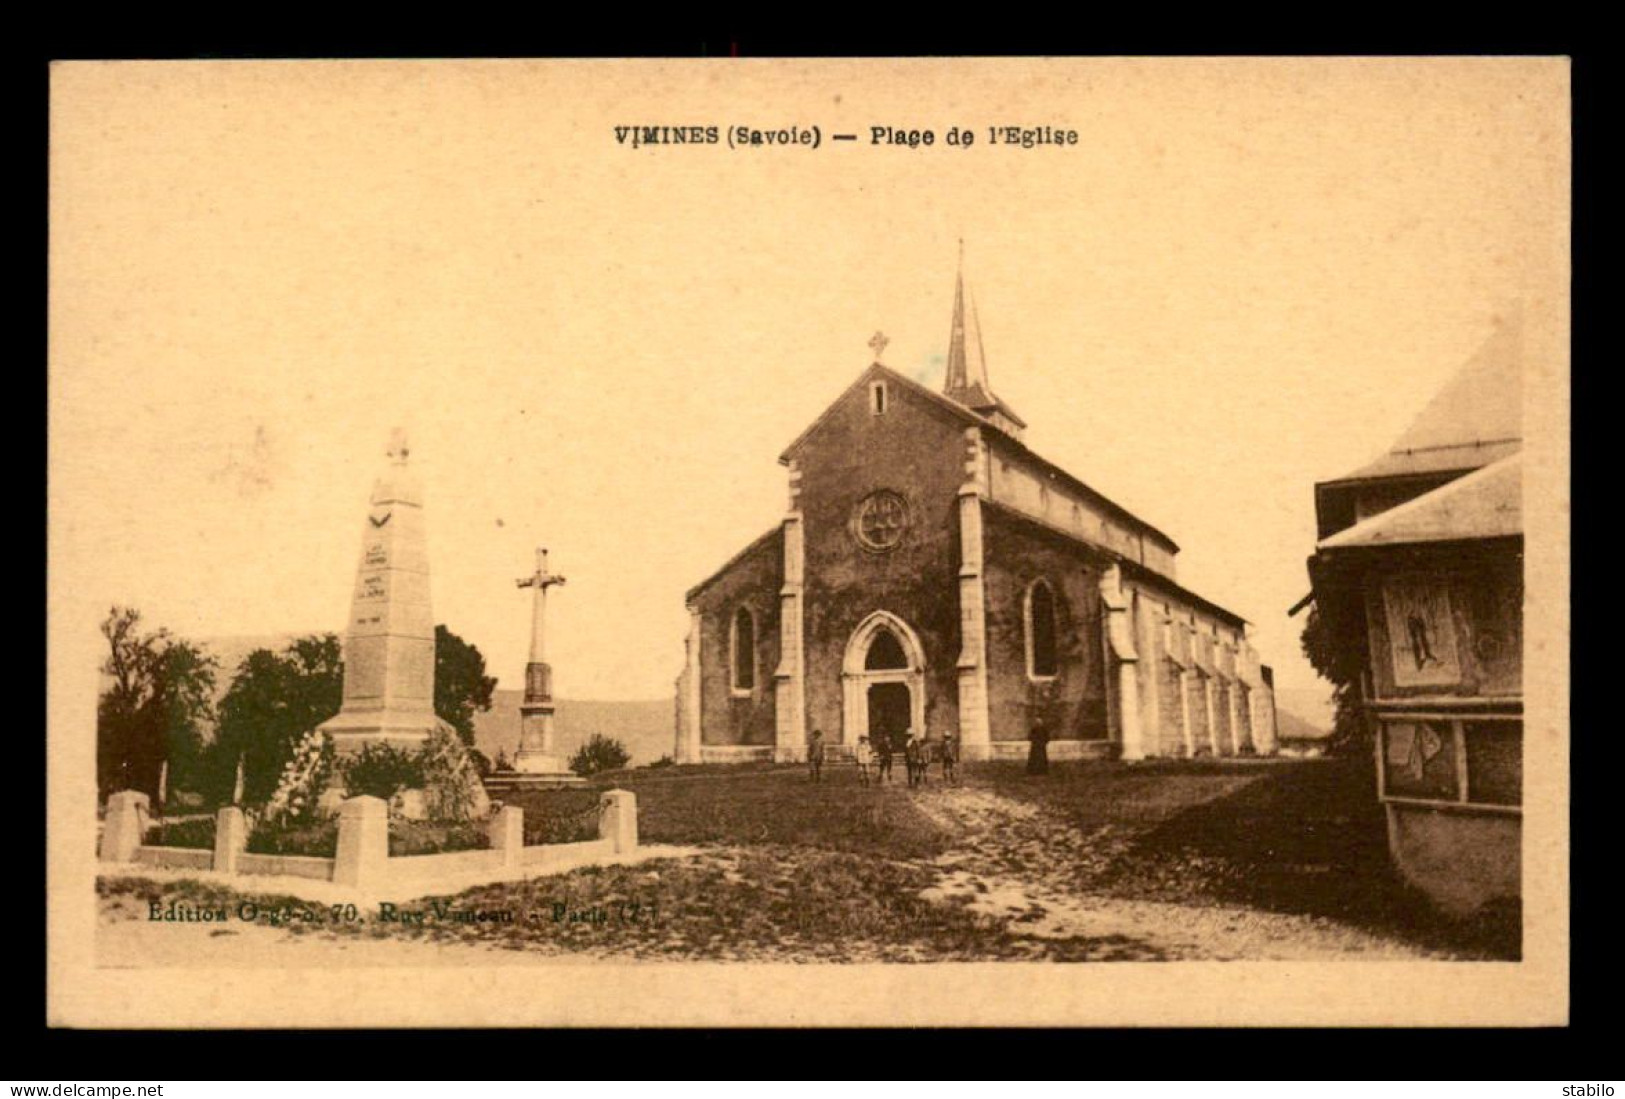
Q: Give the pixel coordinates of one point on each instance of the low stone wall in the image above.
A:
(1056, 749)
(553, 854)
(178, 858)
(286, 866)
(363, 858)
(736, 753)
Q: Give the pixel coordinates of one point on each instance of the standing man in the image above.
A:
(861, 754)
(950, 757)
(883, 753)
(1038, 748)
(815, 755)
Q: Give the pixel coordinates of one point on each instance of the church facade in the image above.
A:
(933, 574)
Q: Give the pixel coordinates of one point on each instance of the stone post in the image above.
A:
(230, 838)
(618, 819)
(508, 834)
(363, 842)
(124, 826)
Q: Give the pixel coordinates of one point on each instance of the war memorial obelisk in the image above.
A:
(389, 643)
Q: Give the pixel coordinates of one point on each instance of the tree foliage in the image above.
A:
(1340, 660)
(275, 699)
(600, 753)
(155, 708)
(461, 687)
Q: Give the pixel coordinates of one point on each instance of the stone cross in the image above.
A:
(879, 341)
(541, 580)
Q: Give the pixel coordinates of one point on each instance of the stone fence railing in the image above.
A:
(362, 859)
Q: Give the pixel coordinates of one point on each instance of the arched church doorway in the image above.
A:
(882, 680)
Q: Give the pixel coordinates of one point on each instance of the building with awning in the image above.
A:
(1419, 567)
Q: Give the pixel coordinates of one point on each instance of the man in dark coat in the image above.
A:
(815, 755)
(1038, 748)
(883, 753)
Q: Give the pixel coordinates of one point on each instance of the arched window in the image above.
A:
(1041, 659)
(885, 652)
(744, 650)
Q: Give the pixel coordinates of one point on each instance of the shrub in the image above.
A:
(449, 774)
(319, 839)
(303, 779)
(663, 761)
(423, 837)
(600, 753)
(559, 816)
(382, 771)
(184, 833)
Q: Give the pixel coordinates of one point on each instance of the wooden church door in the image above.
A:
(889, 710)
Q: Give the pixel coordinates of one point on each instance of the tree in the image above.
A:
(600, 753)
(461, 687)
(1339, 659)
(155, 708)
(273, 701)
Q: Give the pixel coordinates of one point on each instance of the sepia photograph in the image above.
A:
(797, 542)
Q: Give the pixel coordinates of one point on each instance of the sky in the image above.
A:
(1243, 278)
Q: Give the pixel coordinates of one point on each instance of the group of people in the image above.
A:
(875, 757)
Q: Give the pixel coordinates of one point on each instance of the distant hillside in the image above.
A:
(647, 729)
(1303, 714)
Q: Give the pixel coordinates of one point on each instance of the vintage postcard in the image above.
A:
(879, 542)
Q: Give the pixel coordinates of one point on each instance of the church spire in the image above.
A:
(966, 380)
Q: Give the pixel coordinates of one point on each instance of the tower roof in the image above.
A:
(966, 381)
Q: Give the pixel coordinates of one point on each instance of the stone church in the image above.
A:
(933, 573)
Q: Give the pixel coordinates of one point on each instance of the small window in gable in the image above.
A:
(877, 398)
(1041, 655)
(743, 644)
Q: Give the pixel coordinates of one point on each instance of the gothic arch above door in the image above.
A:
(882, 650)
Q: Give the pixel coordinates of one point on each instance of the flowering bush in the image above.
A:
(303, 779)
(451, 779)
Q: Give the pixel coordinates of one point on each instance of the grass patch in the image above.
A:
(558, 816)
(1092, 794)
(778, 806)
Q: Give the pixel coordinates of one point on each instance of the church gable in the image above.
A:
(879, 392)
(878, 479)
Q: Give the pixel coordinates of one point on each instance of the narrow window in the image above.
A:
(744, 651)
(877, 397)
(1041, 658)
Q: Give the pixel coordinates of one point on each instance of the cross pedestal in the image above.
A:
(537, 764)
